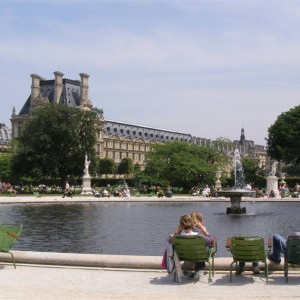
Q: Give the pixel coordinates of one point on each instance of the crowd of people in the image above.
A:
(7, 187)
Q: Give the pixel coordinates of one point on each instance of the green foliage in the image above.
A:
(6, 167)
(252, 171)
(106, 166)
(137, 168)
(125, 166)
(283, 142)
(54, 143)
(181, 164)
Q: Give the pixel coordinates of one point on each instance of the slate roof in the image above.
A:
(120, 129)
(70, 94)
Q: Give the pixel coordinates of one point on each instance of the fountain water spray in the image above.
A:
(238, 190)
(239, 179)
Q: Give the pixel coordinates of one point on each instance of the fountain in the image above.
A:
(238, 190)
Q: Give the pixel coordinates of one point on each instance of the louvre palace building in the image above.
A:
(116, 140)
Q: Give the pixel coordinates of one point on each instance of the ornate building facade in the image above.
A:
(5, 137)
(115, 140)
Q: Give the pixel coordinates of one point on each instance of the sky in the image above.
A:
(207, 68)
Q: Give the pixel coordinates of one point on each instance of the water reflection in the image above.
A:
(137, 228)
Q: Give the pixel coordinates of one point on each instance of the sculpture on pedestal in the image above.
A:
(86, 178)
(86, 166)
(272, 181)
(274, 168)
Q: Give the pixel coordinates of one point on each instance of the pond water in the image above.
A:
(138, 228)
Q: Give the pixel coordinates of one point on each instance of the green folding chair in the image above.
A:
(192, 248)
(292, 254)
(248, 249)
(9, 233)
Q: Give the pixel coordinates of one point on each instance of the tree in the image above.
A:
(54, 142)
(283, 142)
(6, 167)
(181, 164)
(125, 166)
(252, 171)
(106, 166)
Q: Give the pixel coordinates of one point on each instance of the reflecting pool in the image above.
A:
(138, 228)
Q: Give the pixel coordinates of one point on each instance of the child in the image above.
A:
(198, 227)
(186, 224)
(198, 223)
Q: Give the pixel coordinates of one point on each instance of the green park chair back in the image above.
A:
(292, 254)
(9, 233)
(247, 249)
(192, 248)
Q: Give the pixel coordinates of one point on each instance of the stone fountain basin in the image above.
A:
(236, 193)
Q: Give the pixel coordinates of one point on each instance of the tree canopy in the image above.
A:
(126, 166)
(6, 169)
(252, 172)
(283, 142)
(106, 166)
(54, 142)
(181, 164)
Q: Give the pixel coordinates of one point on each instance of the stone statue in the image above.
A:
(86, 166)
(274, 168)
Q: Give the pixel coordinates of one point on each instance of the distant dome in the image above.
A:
(5, 134)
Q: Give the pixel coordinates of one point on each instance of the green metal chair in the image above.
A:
(248, 249)
(37, 194)
(9, 233)
(192, 248)
(292, 254)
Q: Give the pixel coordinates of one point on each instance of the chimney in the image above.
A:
(58, 87)
(84, 87)
(35, 86)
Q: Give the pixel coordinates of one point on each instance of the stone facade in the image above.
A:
(5, 137)
(115, 140)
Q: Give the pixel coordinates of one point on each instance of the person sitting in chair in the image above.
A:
(279, 246)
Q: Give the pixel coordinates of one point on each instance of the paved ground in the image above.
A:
(40, 282)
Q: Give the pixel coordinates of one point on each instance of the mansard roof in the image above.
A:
(70, 94)
(143, 132)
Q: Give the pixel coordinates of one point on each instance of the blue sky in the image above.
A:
(200, 67)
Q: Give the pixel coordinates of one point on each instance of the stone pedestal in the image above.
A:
(235, 208)
(86, 185)
(272, 184)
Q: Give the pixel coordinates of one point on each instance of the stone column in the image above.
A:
(58, 87)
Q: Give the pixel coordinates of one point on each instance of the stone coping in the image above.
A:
(85, 199)
(107, 261)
